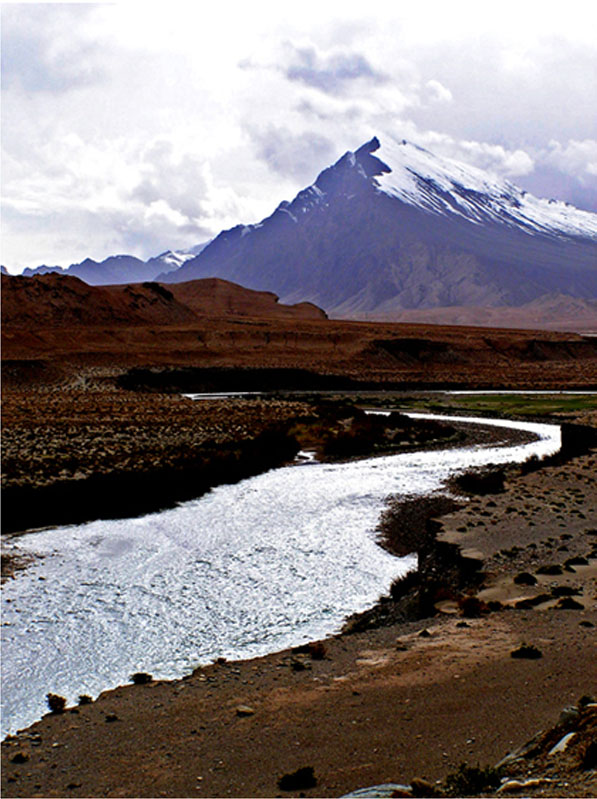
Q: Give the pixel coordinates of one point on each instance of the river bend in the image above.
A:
(247, 569)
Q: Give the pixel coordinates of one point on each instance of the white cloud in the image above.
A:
(137, 127)
(574, 158)
(436, 92)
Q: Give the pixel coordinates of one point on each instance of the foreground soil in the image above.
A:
(412, 699)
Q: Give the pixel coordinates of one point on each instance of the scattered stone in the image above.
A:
(386, 791)
(551, 568)
(527, 652)
(565, 590)
(562, 744)
(586, 623)
(515, 786)
(111, 717)
(525, 578)
(425, 634)
(579, 560)
(532, 601)
(245, 710)
(299, 664)
(19, 757)
(569, 715)
(299, 780)
(567, 603)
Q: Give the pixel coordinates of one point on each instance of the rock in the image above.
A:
(525, 578)
(561, 744)
(298, 780)
(532, 601)
(111, 717)
(567, 603)
(578, 560)
(385, 791)
(564, 590)
(245, 710)
(569, 715)
(516, 786)
(552, 568)
(526, 651)
(19, 757)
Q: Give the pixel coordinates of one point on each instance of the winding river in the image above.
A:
(247, 569)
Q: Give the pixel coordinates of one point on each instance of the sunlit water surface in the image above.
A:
(248, 569)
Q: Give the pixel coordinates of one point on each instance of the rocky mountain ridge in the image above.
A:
(391, 227)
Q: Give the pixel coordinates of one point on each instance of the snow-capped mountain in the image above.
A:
(118, 269)
(392, 226)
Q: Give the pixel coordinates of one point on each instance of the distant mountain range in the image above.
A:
(391, 229)
(119, 269)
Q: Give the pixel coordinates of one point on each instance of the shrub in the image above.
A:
(140, 678)
(471, 780)
(56, 703)
(85, 699)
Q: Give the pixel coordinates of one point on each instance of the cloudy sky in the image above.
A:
(138, 127)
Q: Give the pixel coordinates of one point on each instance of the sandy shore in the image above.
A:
(412, 699)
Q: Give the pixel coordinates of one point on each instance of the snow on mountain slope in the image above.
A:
(442, 185)
(391, 226)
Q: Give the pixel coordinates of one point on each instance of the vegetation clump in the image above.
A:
(471, 780)
(140, 678)
(56, 703)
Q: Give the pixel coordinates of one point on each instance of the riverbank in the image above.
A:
(74, 453)
(387, 704)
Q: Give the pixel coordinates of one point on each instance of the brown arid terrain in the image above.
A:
(56, 326)
(408, 692)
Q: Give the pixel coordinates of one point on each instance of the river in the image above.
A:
(247, 569)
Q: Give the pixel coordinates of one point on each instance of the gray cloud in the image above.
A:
(299, 156)
(330, 74)
(177, 181)
(39, 53)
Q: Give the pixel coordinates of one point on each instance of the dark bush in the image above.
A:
(404, 585)
(140, 678)
(56, 703)
(85, 699)
(471, 780)
(298, 780)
